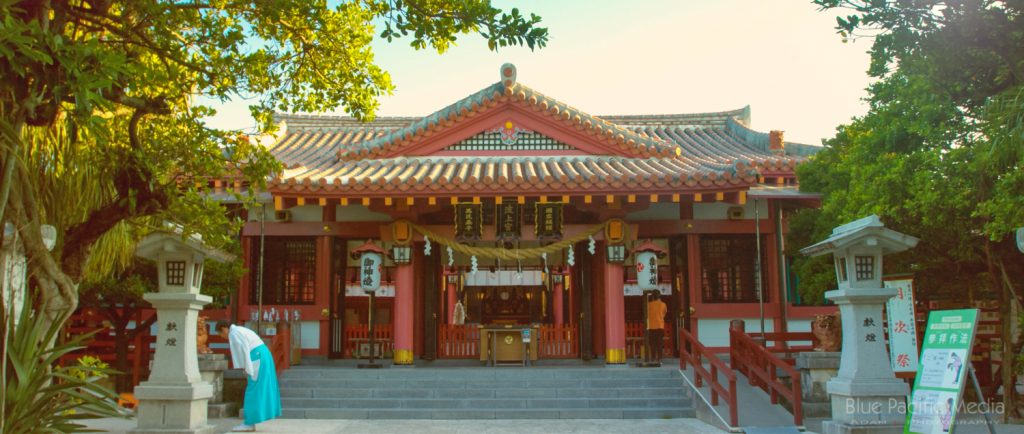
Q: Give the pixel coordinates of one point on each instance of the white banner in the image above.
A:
(903, 351)
(385, 290)
(634, 289)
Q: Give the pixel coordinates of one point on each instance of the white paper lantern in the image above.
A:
(647, 270)
(370, 265)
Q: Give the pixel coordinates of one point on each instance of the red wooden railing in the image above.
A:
(103, 345)
(458, 341)
(635, 340)
(558, 342)
(695, 356)
(761, 367)
(360, 334)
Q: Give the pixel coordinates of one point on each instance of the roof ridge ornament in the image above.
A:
(508, 75)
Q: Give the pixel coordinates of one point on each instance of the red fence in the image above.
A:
(359, 334)
(558, 342)
(458, 341)
(127, 328)
(695, 356)
(635, 340)
(762, 366)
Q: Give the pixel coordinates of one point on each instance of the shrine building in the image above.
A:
(510, 209)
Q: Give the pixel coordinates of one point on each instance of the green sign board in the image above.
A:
(945, 358)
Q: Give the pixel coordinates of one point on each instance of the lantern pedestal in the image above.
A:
(174, 399)
(866, 395)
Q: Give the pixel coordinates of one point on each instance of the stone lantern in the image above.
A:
(866, 395)
(174, 398)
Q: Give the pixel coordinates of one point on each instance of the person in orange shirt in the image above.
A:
(656, 310)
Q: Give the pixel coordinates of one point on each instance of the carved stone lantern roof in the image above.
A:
(868, 231)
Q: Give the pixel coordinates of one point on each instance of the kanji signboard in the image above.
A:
(507, 223)
(902, 328)
(549, 221)
(945, 355)
(469, 221)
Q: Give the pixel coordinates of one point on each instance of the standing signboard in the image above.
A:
(945, 359)
(902, 326)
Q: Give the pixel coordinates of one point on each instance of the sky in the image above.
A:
(615, 57)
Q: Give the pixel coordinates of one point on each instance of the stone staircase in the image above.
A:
(320, 392)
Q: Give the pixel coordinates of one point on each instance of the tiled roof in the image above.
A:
(660, 152)
(497, 174)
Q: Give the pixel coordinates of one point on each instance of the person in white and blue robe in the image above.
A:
(248, 352)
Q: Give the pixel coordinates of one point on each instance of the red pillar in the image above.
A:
(614, 314)
(558, 297)
(403, 312)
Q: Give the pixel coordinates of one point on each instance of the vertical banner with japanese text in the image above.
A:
(507, 221)
(549, 221)
(469, 222)
(945, 358)
(902, 325)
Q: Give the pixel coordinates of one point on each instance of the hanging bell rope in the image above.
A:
(502, 253)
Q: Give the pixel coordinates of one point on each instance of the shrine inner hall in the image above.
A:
(510, 210)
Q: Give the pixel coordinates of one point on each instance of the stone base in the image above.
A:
(816, 370)
(208, 429)
(833, 427)
(221, 410)
(816, 409)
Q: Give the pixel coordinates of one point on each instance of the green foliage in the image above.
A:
(98, 105)
(87, 368)
(41, 396)
(938, 155)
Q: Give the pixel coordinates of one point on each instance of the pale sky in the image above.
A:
(605, 57)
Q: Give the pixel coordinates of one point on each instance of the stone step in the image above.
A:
(475, 393)
(458, 393)
(483, 404)
(459, 383)
(650, 413)
(475, 374)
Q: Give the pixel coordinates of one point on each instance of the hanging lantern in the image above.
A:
(371, 265)
(647, 254)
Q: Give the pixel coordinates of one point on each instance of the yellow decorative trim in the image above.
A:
(743, 198)
(631, 198)
(278, 203)
(654, 198)
(675, 198)
(719, 196)
(387, 201)
(344, 201)
(323, 201)
(697, 197)
(565, 199)
(431, 200)
(403, 357)
(300, 201)
(587, 198)
(366, 201)
(615, 356)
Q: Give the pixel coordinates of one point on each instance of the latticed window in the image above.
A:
(290, 275)
(523, 141)
(176, 273)
(728, 268)
(865, 267)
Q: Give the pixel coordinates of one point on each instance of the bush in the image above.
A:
(40, 395)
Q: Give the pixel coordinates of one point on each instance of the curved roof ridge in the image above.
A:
(705, 119)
